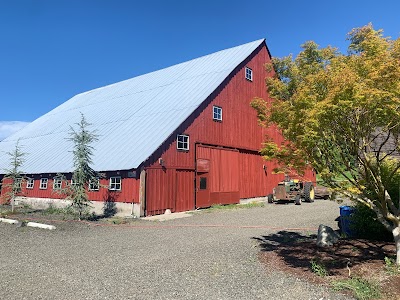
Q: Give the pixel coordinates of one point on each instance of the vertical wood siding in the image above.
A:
(169, 189)
(239, 130)
(239, 127)
(129, 192)
(256, 176)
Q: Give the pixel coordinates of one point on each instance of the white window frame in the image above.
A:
(248, 73)
(94, 186)
(114, 185)
(182, 142)
(217, 113)
(30, 183)
(57, 183)
(43, 183)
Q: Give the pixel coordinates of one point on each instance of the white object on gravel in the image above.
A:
(39, 225)
(9, 221)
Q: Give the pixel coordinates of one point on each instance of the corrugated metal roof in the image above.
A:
(132, 118)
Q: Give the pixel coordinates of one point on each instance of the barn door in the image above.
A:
(202, 190)
(184, 199)
(202, 183)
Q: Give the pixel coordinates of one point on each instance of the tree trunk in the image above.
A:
(12, 203)
(396, 235)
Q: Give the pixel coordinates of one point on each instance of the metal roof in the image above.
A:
(132, 117)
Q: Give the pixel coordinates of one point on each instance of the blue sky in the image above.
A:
(54, 49)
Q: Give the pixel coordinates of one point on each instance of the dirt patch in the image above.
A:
(294, 253)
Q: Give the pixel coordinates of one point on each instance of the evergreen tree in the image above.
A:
(14, 177)
(83, 173)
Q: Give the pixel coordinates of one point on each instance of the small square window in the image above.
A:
(249, 73)
(43, 183)
(115, 184)
(30, 183)
(94, 185)
(57, 183)
(182, 142)
(217, 113)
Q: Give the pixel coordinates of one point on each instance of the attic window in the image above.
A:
(182, 142)
(249, 74)
(217, 113)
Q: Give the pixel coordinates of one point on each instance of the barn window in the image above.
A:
(217, 113)
(30, 183)
(94, 185)
(249, 74)
(115, 184)
(203, 183)
(43, 183)
(57, 183)
(182, 142)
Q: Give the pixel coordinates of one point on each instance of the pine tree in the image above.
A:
(83, 173)
(14, 176)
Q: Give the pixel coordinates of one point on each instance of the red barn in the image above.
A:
(180, 138)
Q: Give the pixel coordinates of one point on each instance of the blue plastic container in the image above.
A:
(345, 220)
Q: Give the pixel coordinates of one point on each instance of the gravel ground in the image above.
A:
(211, 255)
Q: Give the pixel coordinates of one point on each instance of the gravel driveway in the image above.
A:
(211, 255)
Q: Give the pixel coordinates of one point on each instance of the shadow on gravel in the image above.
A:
(298, 250)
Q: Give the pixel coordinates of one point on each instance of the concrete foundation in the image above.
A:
(256, 199)
(97, 207)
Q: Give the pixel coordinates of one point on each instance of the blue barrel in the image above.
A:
(345, 219)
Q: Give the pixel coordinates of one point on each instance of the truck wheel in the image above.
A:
(270, 198)
(309, 193)
(297, 200)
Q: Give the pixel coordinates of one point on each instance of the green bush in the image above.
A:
(365, 225)
(318, 268)
(364, 222)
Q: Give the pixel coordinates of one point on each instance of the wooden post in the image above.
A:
(142, 192)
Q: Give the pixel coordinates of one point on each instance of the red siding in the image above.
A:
(129, 192)
(256, 178)
(169, 189)
(239, 127)
(224, 168)
(241, 170)
(184, 199)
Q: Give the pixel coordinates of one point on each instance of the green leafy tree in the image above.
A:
(341, 113)
(13, 179)
(83, 173)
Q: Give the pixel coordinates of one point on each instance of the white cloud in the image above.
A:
(7, 128)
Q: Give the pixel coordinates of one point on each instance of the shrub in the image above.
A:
(364, 222)
(365, 225)
(318, 268)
